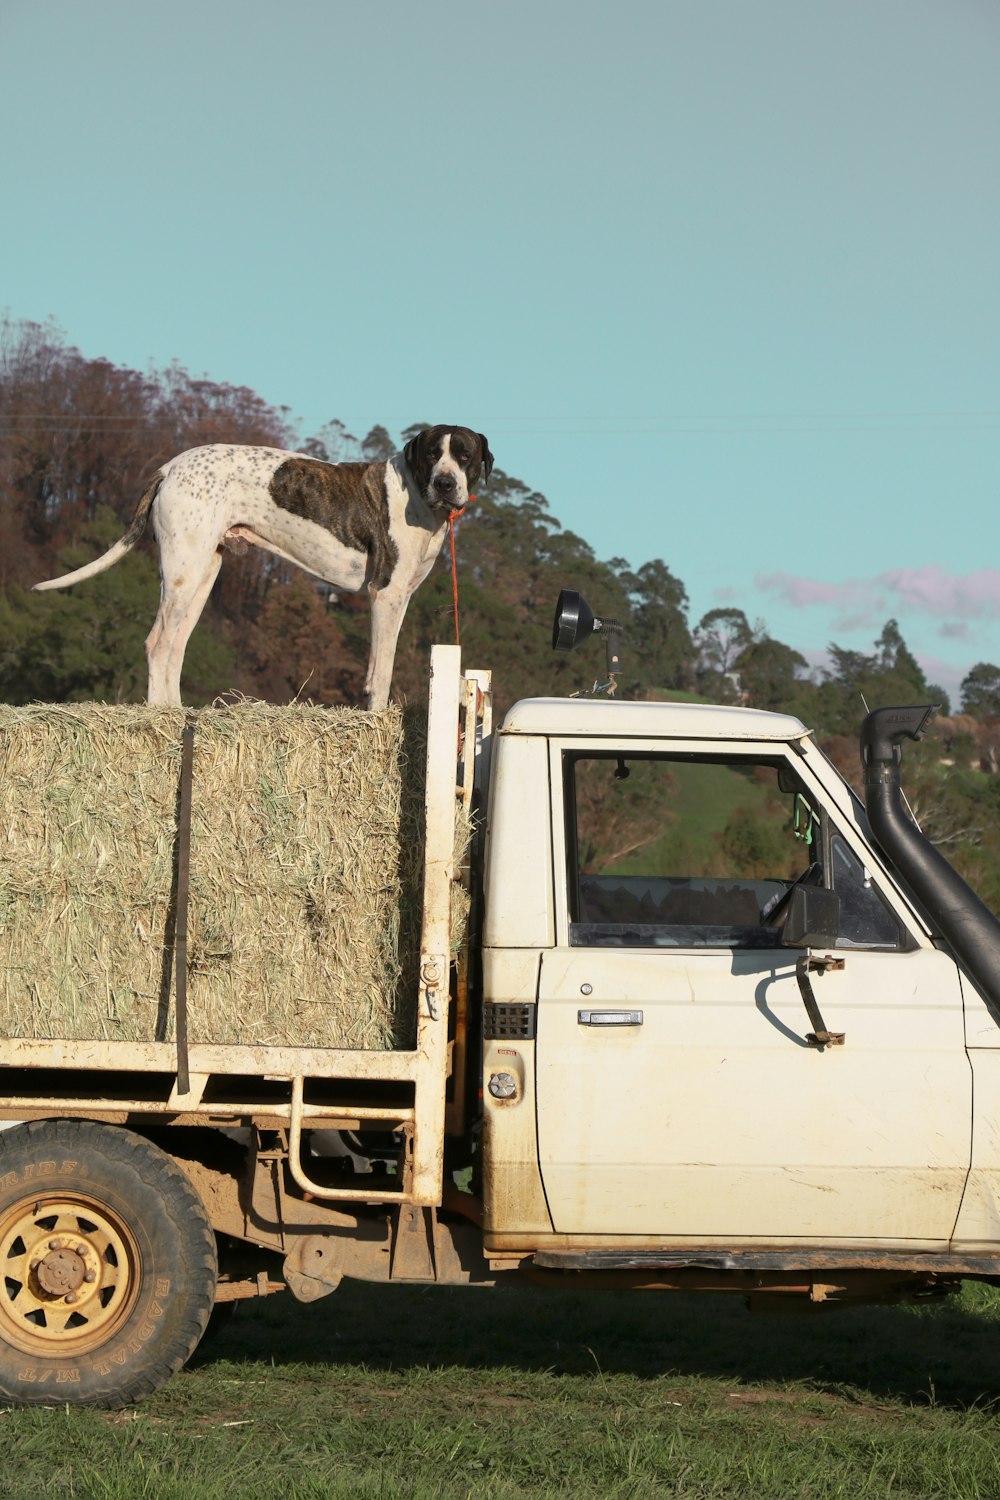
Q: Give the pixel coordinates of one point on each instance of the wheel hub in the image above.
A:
(70, 1274)
(65, 1269)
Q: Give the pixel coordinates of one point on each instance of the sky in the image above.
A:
(718, 277)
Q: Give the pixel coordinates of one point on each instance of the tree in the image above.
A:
(80, 440)
(980, 690)
(296, 648)
(936, 694)
(720, 636)
(332, 444)
(377, 446)
(756, 845)
(893, 655)
(769, 670)
(619, 814)
(857, 682)
(660, 649)
(87, 643)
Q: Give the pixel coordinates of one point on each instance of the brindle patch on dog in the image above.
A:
(347, 500)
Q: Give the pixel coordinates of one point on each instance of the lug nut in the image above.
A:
(55, 1244)
(90, 1276)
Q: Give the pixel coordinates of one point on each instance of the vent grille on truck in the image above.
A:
(509, 1023)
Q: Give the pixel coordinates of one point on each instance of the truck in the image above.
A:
(762, 1058)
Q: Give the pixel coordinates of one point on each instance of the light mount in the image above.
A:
(574, 622)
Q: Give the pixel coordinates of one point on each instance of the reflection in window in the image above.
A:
(682, 852)
(865, 922)
(685, 852)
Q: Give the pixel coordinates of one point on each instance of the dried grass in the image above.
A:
(306, 867)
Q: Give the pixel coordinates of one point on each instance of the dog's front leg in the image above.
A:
(388, 608)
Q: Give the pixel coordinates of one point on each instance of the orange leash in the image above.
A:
(454, 516)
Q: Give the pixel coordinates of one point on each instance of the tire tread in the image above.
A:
(178, 1219)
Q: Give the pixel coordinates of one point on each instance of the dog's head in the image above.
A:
(446, 463)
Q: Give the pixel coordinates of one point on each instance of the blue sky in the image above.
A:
(719, 277)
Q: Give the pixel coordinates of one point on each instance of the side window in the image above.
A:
(683, 851)
(865, 921)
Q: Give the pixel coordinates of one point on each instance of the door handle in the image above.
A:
(609, 1017)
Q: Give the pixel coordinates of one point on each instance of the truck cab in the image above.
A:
(654, 1077)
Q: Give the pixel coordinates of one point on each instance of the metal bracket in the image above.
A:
(820, 1036)
(312, 1267)
(413, 1256)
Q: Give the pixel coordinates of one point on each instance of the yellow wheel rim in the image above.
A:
(70, 1274)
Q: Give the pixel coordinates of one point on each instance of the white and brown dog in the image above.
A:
(357, 526)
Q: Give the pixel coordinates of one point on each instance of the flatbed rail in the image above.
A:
(294, 1089)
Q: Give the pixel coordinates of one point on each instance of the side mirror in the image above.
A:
(812, 918)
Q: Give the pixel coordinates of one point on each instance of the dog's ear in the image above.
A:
(487, 456)
(415, 454)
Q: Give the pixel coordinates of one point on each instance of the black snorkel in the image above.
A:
(968, 927)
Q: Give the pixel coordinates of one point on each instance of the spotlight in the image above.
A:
(575, 621)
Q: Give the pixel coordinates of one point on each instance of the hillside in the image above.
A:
(80, 437)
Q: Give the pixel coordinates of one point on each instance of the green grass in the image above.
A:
(417, 1393)
(698, 804)
(676, 695)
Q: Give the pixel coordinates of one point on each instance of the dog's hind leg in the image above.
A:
(181, 604)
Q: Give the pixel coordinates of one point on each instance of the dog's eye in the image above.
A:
(463, 459)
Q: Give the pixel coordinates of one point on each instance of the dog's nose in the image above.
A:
(445, 484)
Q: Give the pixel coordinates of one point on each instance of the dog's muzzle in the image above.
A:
(446, 486)
(444, 489)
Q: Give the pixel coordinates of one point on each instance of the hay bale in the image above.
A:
(306, 867)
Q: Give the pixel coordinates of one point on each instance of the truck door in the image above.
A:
(678, 1092)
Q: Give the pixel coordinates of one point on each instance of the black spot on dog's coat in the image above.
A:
(348, 500)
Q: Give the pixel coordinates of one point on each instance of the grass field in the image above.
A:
(697, 804)
(418, 1393)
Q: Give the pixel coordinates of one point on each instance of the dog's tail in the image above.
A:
(117, 552)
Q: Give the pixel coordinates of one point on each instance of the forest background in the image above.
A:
(79, 438)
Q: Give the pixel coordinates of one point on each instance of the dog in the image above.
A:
(377, 526)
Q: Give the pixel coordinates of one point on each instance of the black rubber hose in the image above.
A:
(968, 927)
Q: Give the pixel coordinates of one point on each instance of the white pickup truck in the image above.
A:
(715, 1026)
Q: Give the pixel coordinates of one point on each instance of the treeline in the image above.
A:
(80, 437)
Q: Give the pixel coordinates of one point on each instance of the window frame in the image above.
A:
(565, 753)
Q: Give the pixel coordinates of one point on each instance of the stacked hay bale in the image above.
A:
(306, 867)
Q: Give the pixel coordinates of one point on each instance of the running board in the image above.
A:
(929, 1263)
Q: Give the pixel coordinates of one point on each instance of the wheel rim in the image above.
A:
(71, 1274)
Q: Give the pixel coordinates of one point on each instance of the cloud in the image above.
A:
(942, 674)
(973, 596)
(802, 592)
(859, 604)
(861, 619)
(864, 601)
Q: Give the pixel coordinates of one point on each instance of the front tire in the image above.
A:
(109, 1265)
